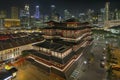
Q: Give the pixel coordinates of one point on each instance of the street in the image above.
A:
(92, 70)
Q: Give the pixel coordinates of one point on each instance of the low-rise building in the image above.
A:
(12, 45)
(11, 23)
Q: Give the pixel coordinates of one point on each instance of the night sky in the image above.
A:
(75, 6)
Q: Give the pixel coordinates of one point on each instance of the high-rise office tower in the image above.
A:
(3, 14)
(82, 17)
(27, 15)
(53, 9)
(67, 14)
(14, 12)
(37, 12)
(53, 12)
(102, 11)
(22, 13)
(101, 15)
(90, 15)
(107, 11)
(117, 14)
(27, 10)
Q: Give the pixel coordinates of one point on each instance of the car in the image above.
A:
(104, 57)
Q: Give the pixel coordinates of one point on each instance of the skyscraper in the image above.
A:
(90, 15)
(27, 10)
(55, 16)
(107, 11)
(27, 13)
(22, 13)
(117, 14)
(14, 12)
(53, 12)
(3, 14)
(53, 9)
(67, 14)
(102, 13)
(25, 16)
(37, 12)
(106, 22)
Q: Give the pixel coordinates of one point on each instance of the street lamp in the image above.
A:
(106, 42)
(85, 62)
(104, 48)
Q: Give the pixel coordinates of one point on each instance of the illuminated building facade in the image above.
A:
(54, 16)
(27, 10)
(14, 13)
(82, 17)
(37, 12)
(12, 45)
(90, 15)
(117, 14)
(53, 9)
(25, 16)
(106, 22)
(3, 15)
(67, 14)
(101, 16)
(65, 43)
(107, 11)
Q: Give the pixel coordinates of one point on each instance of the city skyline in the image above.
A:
(73, 6)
